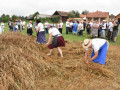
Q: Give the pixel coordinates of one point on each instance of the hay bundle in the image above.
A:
(21, 62)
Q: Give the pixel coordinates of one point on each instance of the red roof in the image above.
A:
(82, 15)
(98, 14)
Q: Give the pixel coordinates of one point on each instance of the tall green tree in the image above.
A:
(74, 14)
(14, 17)
(85, 12)
(5, 18)
(35, 14)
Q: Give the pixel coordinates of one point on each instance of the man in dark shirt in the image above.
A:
(115, 30)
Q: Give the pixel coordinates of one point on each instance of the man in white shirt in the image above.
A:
(99, 46)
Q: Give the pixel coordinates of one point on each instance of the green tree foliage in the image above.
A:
(35, 14)
(74, 14)
(14, 17)
(5, 18)
(85, 12)
(55, 19)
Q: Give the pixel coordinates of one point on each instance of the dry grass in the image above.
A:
(24, 65)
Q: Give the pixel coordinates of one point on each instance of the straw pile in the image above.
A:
(24, 65)
(21, 62)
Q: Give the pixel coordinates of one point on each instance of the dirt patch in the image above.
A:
(25, 65)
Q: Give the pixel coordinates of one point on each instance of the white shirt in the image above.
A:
(23, 22)
(71, 24)
(60, 25)
(110, 26)
(46, 25)
(54, 31)
(40, 25)
(104, 26)
(91, 24)
(67, 24)
(97, 44)
(80, 25)
(16, 26)
(29, 25)
(0, 30)
(2, 25)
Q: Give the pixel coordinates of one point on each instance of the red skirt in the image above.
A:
(60, 43)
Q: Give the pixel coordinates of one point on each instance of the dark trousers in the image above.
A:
(46, 29)
(99, 34)
(109, 35)
(60, 30)
(88, 30)
(80, 33)
(67, 30)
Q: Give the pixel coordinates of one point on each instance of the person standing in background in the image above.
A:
(15, 27)
(80, 28)
(46, 26)
(67, 26)
(88, 27)
(11, 25)
(71, 26)
(115, 30)
(23, 24)
(30, 28)
(41, 39)
(95, 28)
(20, 26)
(84, 24)
(2, 26)
(110, 30)
(75, 25)
(60, 26)
(104, 28)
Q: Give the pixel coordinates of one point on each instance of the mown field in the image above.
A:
(71, 37)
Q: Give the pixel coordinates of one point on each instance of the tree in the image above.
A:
(5, 18)
(74, 14)
(85, 12)
(35, 14)
(14, 17)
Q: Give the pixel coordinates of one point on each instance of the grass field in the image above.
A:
(71, 37)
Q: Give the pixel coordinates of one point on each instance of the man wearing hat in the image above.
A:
(99, 47)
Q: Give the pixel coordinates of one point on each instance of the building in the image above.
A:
(111, 17)
(118, 17)
(98, 15)
(63, 15)
(30, 17)
(83, 16)
(42, 16)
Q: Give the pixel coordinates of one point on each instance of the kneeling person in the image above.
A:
(99, 46)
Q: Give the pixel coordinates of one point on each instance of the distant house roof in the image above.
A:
(98, 14)
(42, 16)
(30, 17)
(112, 16)
(61, 13)
(82, 16)
(118, 15)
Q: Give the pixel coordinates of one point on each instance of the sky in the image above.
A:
(27, 7)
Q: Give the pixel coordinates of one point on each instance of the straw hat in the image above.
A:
(87, 43)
